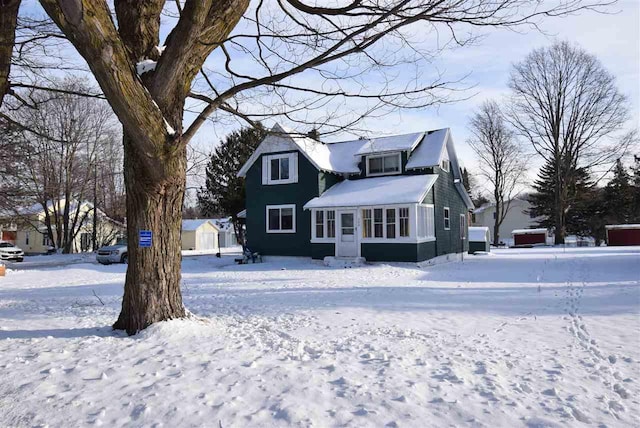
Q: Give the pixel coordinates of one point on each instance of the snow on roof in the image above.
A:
(242, 214)
(375, 191)
(392, 143)
(191, 225)
(430, 151)
(528, 231)
(622, 226)
(478, 233)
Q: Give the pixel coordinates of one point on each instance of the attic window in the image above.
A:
(280, 169)
(445, 165)
(383, 164)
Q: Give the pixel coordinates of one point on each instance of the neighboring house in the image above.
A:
(517, 218)
(27, 229)
(396, 198)
(200, 235)
(227, 234)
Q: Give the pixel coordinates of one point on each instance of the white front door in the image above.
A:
(347, 239)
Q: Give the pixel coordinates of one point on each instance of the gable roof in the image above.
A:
(191, 225)
(427, 149)
(431, 151)
(398, 189)
(392, 143)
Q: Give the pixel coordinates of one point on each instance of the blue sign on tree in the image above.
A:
(145, 239)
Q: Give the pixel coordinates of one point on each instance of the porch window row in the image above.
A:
(385, 223)
(325, 224)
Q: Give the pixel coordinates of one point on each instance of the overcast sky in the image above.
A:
(614, 38)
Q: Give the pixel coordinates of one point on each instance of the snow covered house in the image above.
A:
(227, 234)
(517, 217)
(397, 198)
(200, 235)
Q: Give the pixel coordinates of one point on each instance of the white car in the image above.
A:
(10, 252)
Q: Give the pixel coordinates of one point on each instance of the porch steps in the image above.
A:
(344, 262)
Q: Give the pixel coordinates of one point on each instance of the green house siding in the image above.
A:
(259, 196)
(401, 252)
(322, 250)
(446, 195)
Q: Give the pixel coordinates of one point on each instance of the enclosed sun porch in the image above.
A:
(379, 219)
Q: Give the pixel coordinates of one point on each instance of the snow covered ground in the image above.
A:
(535, 337)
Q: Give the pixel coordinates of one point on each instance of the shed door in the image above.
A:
(207, 241)
(347, 239)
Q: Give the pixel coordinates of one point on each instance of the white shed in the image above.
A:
(199, 235)
(479, 239)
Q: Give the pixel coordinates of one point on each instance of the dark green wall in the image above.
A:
(322, 250)
(477, 246)
(259, 196)
(446, 195)
(400, 252)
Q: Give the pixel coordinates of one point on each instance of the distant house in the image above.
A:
(26, 227)
(200, 235)
(227, 232)
(396, 198)
(517, 218)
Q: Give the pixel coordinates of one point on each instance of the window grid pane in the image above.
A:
(366, 223)
(275, 169)
(274, 219)
(404, 222)
(284, 168)
(319, 224)
(331, 224)
(286, 218)
(391, 223)
(447, 220)
(378, 225)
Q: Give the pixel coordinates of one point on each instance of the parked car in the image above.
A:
(10, 252)
(113, 253)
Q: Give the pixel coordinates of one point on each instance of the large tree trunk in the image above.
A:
(152, 286)
(8, 23)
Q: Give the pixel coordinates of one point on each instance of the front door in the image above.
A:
(347, 239)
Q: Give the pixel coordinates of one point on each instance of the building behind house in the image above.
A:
(517, 218)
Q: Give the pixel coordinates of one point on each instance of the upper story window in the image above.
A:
(445, 165)
(280, 169)
(383, 164)
(447, 218)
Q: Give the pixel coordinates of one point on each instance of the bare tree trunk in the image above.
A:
(152, 286)
(496, 223)
(8, 23)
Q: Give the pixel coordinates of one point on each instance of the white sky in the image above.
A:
(614, 38)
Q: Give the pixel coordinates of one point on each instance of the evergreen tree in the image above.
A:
(618, 196)
(578, 189)
(224, 192)
(635, 182)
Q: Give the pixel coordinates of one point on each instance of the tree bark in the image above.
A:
(152, 285)
(8, 23)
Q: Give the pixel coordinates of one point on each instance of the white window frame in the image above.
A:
(26, 238)
(325, 226)
(446, 215)
(384, 239)
(425, 213)
(463, 229)
(280, 207)
(445, 165)
(293, 168)
(399, 171)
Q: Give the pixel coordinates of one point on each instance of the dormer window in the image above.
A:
(383, 164)
(445, 165)
(280, 169)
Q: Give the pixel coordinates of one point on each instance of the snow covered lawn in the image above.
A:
(532, 337)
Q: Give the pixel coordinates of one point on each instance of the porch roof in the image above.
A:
(403, 189)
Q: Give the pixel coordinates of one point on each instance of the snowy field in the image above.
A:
(538, 337)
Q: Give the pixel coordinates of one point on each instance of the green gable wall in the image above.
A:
(259, 196)
(322, 250)
(446, 195)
